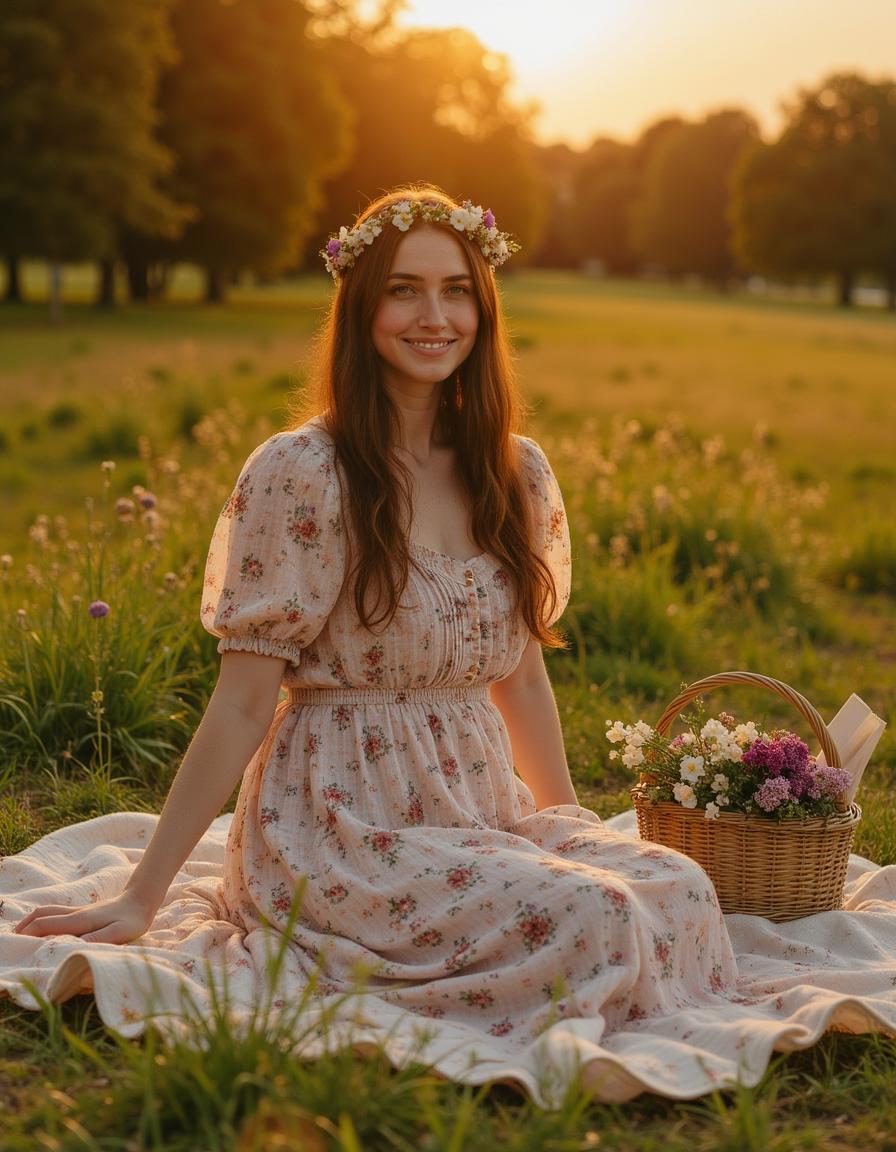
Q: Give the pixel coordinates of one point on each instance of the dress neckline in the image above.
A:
(422, 548)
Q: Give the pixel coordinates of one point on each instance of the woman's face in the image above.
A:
(425, 324)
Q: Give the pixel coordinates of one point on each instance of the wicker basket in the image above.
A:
(778, 869)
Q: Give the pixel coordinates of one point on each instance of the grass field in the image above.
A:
(728, 470)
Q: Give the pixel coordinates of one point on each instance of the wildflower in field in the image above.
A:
(124, 510)
(5, 561)
(108, 465)
(147, 500)
(98, 608)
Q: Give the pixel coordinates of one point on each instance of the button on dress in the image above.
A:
(386, 784)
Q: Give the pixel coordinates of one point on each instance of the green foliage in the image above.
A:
(869, 564)
(64, 415)
(119, 437)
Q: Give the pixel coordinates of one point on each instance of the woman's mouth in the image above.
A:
(429, 347)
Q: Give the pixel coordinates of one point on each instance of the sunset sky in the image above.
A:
(611, 66)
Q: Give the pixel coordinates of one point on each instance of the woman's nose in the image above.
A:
(431, 313)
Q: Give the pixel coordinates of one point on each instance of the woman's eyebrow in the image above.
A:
(412, 276)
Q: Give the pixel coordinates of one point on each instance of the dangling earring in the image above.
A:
(458, 392)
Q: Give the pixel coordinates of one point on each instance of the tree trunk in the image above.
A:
(13, 293)
(106, 295)
(55, 291)
(138, 278)
(890, 281)
(845, 283)
(214, 286)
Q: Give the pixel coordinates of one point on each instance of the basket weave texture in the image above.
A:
(779, 869)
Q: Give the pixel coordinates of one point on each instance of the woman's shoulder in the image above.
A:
(308, 447)
(531, 455)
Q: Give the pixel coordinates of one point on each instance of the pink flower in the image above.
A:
(98, 609)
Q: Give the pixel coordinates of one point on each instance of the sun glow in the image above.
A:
(538, 36)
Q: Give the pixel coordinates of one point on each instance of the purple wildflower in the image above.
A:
(772, 794)
(333, 247)
(147, 500)
(831, 781)
(488, 218)
(98, 608)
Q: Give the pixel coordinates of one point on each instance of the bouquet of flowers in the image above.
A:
(721, 764)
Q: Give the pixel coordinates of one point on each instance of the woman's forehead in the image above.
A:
(429, 250)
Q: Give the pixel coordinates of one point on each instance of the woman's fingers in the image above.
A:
(35, 913)
(59, 922)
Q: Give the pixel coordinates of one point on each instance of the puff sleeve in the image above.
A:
(276, 561)
(550, 526)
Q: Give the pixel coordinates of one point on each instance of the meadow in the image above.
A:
(727, 464)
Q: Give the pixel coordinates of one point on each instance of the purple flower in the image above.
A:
(831, 781)
(147, 500)
(772, 793)
(98, 608)
(488, 218)
(333, 247)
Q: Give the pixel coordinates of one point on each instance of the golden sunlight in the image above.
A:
(535, 34)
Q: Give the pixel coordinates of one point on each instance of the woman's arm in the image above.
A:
(236, 721)
(526, 701)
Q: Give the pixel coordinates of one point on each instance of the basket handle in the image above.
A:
(800, 703)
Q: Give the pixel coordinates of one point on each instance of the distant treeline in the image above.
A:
(236, 134)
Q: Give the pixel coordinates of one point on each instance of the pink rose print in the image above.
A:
(235, 507)
(500, 579)
(502, 1028)
(337, 671)
(375, 744)
(342, 716)
(373, 664)
(431, 1010)
(400, 908)
(269, 816)
(428, 939)
(251, 568)
(435, 725)
(482, 998)
(636, 1012)
(303, 528)
(336, 893)
(716, 982)
(662, 953)
(281, 898)
(462, 877)
(293, 610)
(555, 529)
(618, 902)
(336, 797)
(414, 812)
(312, 744)
(450, 769)
(385, 844)
(459, 956)
(537, 928)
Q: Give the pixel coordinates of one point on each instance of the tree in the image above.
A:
(681, 220)
(607, 185)
(820, 200)
(256, 123)
(431, 105)
(77, 154)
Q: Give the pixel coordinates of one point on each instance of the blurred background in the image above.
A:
(736, 144)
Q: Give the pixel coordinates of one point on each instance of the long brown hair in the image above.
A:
(364, 423)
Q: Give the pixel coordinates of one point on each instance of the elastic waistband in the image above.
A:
(432, 695)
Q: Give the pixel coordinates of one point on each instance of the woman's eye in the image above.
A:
(457, 290)
(402, 290)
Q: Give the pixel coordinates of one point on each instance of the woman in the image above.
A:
(398, 562)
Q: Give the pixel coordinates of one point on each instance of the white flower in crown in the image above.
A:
(403, 216)
(478, 223)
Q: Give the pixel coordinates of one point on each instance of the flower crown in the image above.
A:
(344, 248)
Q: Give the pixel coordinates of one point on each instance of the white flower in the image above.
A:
(721, 800)
(645, 729)
(692, 768)
(460, 219)
(634, 737)
(719, 782)
(688, 738)
(615, 732)
(402, 220)
(614, 755)
(713, 730)
(685, 795)
(712, 811)
(746, 733)
(632, 757)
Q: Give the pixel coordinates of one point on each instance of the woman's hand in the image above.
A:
(117, 920)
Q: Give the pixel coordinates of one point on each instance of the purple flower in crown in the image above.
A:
(333, 247)
(488, 218)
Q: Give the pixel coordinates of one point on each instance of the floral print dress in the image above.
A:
(385, 792)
